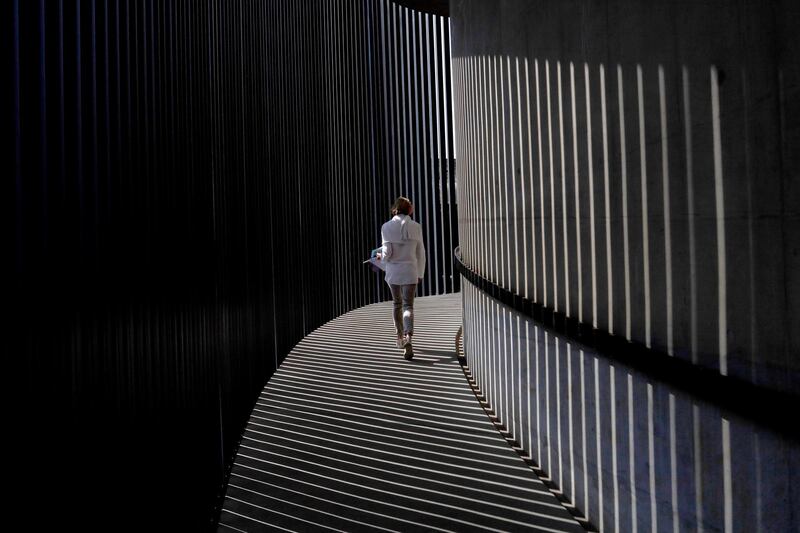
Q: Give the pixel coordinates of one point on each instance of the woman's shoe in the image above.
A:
(407, 348)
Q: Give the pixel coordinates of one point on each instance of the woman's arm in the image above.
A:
(420, 253)
(386, 249)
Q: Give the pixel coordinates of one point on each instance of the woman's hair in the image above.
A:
(401, 206)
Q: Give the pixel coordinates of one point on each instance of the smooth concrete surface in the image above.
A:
(349, 436)
(629, 452)
(634, 165)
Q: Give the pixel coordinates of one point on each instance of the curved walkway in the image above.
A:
(349, 436)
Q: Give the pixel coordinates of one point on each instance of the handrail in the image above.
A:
(757, 404)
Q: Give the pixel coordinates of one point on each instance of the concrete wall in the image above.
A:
(641, 160)
(634, 165)
(631, 453)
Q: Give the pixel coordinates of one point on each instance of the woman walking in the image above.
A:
(403, 256)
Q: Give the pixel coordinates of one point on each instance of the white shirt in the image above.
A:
(403, 253)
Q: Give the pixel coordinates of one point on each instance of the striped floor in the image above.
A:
(348, 436)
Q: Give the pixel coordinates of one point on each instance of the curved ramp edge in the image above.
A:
(349, 436)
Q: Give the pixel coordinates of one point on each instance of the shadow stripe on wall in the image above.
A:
(760, 405)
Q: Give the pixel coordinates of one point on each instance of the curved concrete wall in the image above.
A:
(639, 164)
(628, 451)
(632, 166)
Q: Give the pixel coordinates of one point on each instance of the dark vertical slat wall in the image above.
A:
(195, 185)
